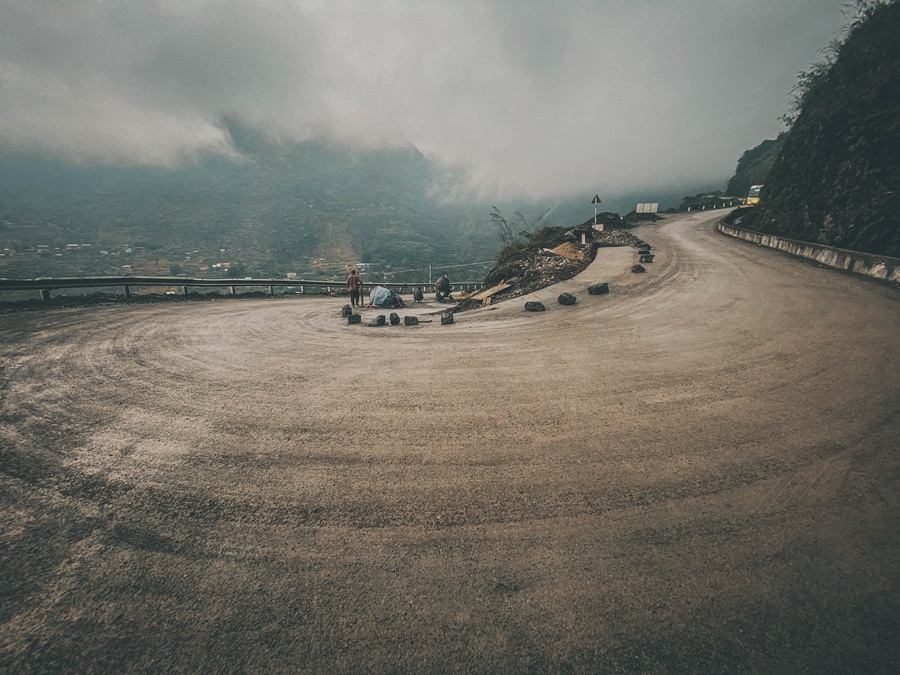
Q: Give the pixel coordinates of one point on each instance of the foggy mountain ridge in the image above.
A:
(279, 204)
(276, 206)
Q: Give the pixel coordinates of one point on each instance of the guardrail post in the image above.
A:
(184, 290)
(233, 291)
(45, 295)
(127, 293)
(271, 290)
(302, 290)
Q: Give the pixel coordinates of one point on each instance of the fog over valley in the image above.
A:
(536, 99)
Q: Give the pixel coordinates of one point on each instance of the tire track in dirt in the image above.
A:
(647, 480)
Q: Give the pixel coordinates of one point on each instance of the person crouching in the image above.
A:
(442, 289)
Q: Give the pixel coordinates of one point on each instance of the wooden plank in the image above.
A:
(491, 291)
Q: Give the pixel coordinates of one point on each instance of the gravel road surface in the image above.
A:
(696, 472)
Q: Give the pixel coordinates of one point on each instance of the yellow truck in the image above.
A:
(753, 195)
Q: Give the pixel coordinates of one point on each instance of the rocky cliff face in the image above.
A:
(837, 178)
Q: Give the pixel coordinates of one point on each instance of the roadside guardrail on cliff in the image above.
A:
(44, 286)
(866, 264)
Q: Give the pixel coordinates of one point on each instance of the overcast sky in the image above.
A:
(536, 97)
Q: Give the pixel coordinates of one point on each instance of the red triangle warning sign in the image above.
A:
(596, 199)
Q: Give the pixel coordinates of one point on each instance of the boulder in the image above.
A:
(646, 258)
(379, 320)
(566, 299)
(598, 289)
(346, 310)
(410, 320)
(534, 306)
(354, 318)
(395, 319)
(446, 317)
(638, 268)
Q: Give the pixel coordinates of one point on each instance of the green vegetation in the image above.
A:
(534, 233)
(835, 180)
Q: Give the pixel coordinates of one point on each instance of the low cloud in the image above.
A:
(537, 98)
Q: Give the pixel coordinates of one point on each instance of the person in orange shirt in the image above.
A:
(354, 285)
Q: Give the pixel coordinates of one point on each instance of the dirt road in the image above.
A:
(698, 471)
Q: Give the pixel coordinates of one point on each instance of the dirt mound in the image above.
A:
(546, 266)
(570, 251)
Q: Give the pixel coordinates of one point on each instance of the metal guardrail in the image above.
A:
(45, 285)
(881, 267)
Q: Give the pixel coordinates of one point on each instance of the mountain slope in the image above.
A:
(277, 207)
(754, 166)
(836, 180)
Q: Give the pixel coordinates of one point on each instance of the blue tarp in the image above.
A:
(384, 297)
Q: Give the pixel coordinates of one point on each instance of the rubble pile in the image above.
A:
(546, 266)
(539, 270)
(617, 238)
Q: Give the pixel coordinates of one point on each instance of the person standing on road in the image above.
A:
(354, 285)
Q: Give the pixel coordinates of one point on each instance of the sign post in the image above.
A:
(595, 201)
